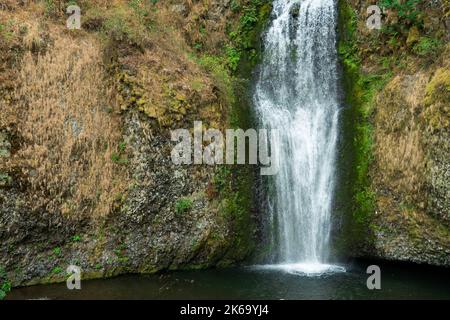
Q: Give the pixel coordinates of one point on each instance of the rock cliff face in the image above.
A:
(398, 81)
(86, 176)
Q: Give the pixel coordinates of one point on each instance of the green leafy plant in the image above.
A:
(122, 147)
(233, 57)
(76, 238)
(56, 251)
(183, 205)
(407, 11)
(57, 270)
(198, 46)
(426, 46)
(249, 19)
(120, 157)
(244, 34)
(235, 7)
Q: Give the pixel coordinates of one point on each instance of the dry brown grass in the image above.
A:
(401, 162)
(62, 94)
(202, 22)
(399, 152)
(9, 60)
(33, 40)
(69, 136)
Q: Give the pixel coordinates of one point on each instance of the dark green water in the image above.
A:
(397, 282)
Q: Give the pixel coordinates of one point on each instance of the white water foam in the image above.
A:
(313, 269)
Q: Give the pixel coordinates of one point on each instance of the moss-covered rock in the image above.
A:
(398, 102)
(413, 36)
(437, 101)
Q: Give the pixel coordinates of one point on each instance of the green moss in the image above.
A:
(438, 89)
(360, 90)
(234, 184)
(437, 98)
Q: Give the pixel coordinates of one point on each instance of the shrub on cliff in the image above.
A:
(5, 285)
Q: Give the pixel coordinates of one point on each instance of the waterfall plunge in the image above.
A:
(297, 93)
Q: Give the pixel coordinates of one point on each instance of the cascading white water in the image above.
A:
(297, 93)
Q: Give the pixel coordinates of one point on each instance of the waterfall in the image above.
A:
(297, 93)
